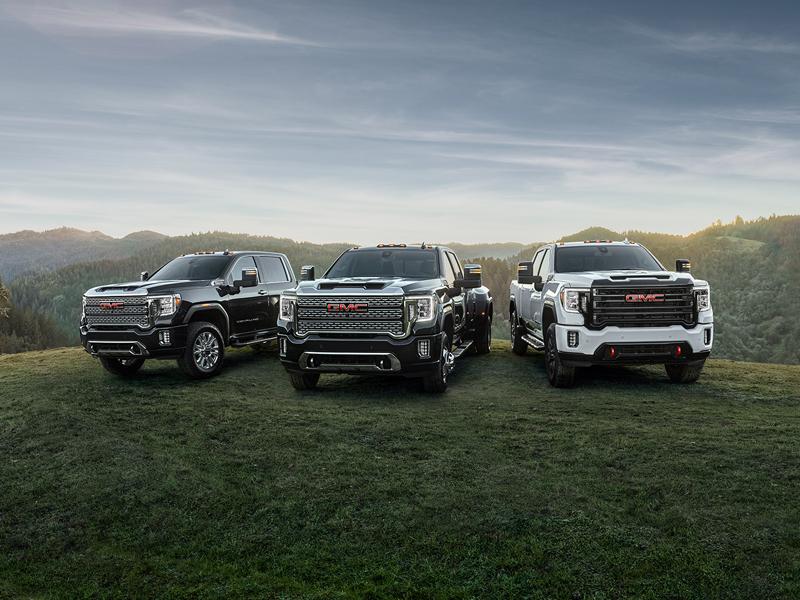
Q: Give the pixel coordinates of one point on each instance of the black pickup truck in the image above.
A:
(388, 309)
(190, 310)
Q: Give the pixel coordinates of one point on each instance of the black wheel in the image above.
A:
(304, 381)
(559, 375)
(436, 382)
(518, 345)
(483, 339)
(684, 373)
(205, 351)
(122, 367)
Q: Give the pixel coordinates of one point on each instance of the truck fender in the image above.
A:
(209, 306)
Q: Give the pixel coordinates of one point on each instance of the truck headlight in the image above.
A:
(83, 309)
(164, 306)
(574, 300)
(703, 296)
(288, 304)
(421, 309)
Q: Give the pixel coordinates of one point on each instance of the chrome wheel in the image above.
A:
(205, 351)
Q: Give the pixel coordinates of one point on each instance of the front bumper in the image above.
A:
(634, 345)
(134, 342)
(374, 355)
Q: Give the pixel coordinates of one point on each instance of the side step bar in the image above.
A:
(532, 342)
(460, 350)
(236, 343)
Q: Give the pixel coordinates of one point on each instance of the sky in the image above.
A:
(371, 121)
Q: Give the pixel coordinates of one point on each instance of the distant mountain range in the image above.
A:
(753, 267)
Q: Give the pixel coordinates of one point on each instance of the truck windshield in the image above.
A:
(193, 268)
(575, 259)
(382, 262)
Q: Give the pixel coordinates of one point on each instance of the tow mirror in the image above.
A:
(307, 273)
(249, 279)
(683, 265)
(525, 274)
(472, 277)
(144, 276)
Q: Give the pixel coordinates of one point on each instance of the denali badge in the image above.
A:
(644, 298)
(358, 308)
(111, 305)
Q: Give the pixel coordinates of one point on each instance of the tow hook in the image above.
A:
(451, 362)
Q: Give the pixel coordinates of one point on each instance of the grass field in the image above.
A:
(626, 486)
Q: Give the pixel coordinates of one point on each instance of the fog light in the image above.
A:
(572, 339)
(707, 336)
(164, 338)
(424, 348)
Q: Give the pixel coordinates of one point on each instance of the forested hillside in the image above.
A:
(753, 267)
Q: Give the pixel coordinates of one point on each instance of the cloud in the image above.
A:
(67, 17)
(706, 41)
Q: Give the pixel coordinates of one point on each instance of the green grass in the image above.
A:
(626, 486)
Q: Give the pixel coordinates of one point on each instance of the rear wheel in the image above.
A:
(483, 339)
(518, 345)
(559, 375)
(122, 367)
(436, 382)
(304, 381)
(205, 351)
(684, 373)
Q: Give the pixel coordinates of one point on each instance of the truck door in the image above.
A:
(523, 297)
(460, 301)
(537, 296)
(275, 279)
(247, 309)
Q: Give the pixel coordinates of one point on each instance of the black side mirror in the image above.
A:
(456, 289)
(249, 279)
(472, 277)
(683, 265)
(307, 273)
(537, 282)
(525, 274)
(144, 276)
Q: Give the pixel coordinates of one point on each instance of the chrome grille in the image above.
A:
(384, 314)
(133, 313)
(609, 306)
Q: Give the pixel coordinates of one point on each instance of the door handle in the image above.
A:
(262, 292)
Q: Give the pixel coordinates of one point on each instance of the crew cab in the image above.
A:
(190, 310)
(389, 309)
(610, 303)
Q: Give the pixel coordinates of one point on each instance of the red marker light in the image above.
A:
(612, 352)
(678, 351)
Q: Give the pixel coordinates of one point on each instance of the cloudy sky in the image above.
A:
(372, 121)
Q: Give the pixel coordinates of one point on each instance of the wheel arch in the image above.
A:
(212, 313)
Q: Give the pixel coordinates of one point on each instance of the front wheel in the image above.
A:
(559, 375)
(518, 345)
(684, 373)
(436, 382)
(483, 339)
(304, 381)
(122, 367)
(204, 352)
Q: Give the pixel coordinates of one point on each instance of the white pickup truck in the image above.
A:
(610, 303)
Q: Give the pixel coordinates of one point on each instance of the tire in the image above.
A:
(483, 339)
(205, 351)
(518, 345)
(436, 383)
(558, 375)
(684, 373)
(304, 381)
(122, 367)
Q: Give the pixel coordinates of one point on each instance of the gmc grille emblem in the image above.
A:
(644, 298)
(111, 305)
(357, 308)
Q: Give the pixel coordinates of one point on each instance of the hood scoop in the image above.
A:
(645, 276)
(360, 285)
(118, 288)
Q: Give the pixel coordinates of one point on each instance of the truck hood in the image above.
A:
(142, 288)
(369, 285)
(586, 279)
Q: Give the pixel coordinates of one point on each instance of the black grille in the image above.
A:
(642, 306)
(382, 314)
(132, 313)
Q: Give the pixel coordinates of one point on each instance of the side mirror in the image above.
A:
(144, 276)
(249, 279)
(456, 289)
(525, 274)
(683, 265)
(472, 277)
(307, 273)
(538, 284)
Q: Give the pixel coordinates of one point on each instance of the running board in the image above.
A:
(256, 340)
(532, 342)
(462, 349)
